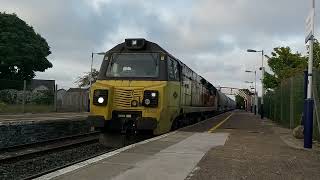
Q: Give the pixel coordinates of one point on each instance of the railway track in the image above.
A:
(33, 160)
(66, 165)
(17, 152)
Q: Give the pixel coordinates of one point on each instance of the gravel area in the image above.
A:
(24, 168)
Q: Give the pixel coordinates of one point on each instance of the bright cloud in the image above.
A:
(211, 36)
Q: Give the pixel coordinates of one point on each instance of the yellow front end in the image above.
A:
(122, 93)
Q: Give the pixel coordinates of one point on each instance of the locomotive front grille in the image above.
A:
(124, 97)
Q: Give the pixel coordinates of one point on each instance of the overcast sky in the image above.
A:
(210, 36)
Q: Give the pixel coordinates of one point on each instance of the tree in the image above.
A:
(316, 54)
(270, 81)
(284, 64)
(22, 50)
(240, 102)
(84, 81)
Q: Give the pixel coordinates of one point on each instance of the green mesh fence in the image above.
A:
(284, 105)
(316, 93)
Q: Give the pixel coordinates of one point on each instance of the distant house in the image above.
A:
(40, 88)
(36, 85)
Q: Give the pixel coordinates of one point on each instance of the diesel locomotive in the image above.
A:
(141, 86)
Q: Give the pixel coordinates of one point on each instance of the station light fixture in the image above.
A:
(251, 50)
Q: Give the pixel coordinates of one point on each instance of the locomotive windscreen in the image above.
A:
(133, 65)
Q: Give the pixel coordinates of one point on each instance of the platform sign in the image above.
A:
(309, 26)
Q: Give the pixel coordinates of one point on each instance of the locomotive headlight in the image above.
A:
(100, 100)
(100, 97)
(134, 103)
(134, 42)
(147, 102)
(150, 98)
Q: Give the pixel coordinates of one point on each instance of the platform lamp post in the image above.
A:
(255, 91)
(309, 102)
(262, 77)
(252, 101)
(253, 108)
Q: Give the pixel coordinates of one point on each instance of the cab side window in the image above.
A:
(173, 70)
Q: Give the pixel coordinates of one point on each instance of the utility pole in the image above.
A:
(255, 93)
(262, 77)
(90, 81)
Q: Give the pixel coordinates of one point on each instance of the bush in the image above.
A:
(12, 96)
(2, 106)
(8, 96)
(45, 97)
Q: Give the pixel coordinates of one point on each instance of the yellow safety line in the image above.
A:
(218, 125)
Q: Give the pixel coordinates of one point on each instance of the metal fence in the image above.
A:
(284, 105)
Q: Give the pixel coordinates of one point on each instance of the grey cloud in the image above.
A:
(222, 30)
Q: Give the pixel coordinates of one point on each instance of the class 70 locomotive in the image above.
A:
(142, 87)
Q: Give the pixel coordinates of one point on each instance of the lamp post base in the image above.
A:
(261, 111)
(308, 123)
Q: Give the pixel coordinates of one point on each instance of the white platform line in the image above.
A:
(98, 158)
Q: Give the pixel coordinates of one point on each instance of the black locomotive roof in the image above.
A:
(149, 47)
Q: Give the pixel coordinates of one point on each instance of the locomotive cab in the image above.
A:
(129, 94)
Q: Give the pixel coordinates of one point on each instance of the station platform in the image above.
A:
(20, 129)
(233, 145)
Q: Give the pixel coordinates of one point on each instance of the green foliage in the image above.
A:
(11, 84)
(22, 51)
(2, 106)
(84, 81)
(9, 96)
(284, 64)
(12, 96)
(316, 54)
(270, 81)
(240, 102)
(45, 97)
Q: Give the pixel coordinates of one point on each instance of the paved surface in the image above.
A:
(257, 150)
(243, 147)
(42, 117)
